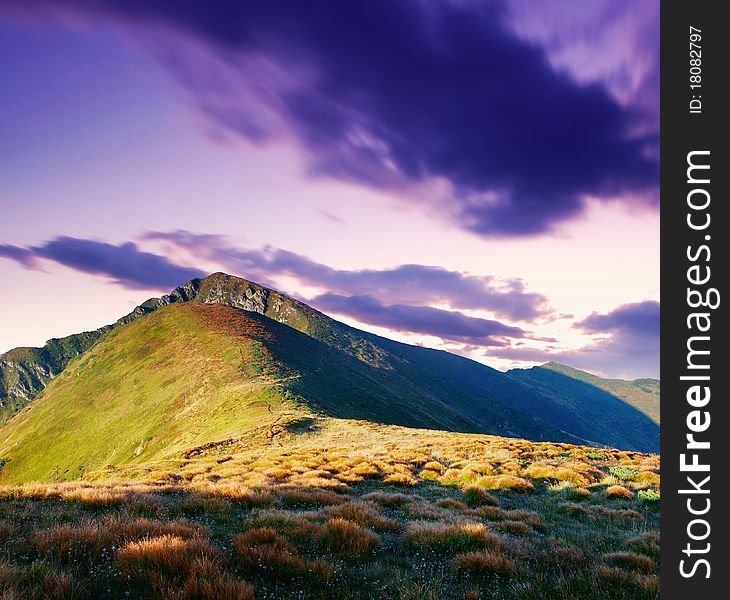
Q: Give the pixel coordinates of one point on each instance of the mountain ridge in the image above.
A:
(463, 395)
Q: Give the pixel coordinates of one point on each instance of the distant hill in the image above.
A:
(209, 360)
(642, 394)
(598, 408)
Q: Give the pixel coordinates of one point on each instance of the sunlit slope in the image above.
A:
(183, 375)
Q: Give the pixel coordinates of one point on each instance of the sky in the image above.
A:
(475, 176)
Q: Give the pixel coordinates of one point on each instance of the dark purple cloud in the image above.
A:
(448, 325)
(394, 94)
(126, 264)
(639, 319)
(630, 350)
(404, 284)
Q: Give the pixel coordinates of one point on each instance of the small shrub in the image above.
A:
(623, 473)
(649, 496)
(596, 455)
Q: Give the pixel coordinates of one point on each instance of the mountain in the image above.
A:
(642, 394)
(207, 361)
(587, 405)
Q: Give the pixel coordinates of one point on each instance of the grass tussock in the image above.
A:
(631, 561)
(485, 564)
(347, 539)
(645, 543)
(619, 492)
(506, 482)
(450, 538)
(475, 496)
(166, 554)
(362, 514)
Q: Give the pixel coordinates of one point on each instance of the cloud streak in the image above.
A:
(425, 320)
(125, 264)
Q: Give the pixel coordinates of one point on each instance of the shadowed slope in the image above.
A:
(605, 410)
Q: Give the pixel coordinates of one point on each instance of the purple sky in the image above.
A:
(480, 177)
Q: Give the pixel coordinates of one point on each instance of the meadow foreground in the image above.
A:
(332, 508)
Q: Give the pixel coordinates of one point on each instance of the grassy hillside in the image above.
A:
(340, 509)
(190, 373)
(25, 372)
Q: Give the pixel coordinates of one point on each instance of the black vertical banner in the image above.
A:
(695, 44)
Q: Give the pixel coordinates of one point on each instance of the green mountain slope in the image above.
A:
(181, 377)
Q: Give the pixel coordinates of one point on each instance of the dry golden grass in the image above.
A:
(316, 512)
(164, 554)
(441, 537)
(618, 491)
(403, 479)
(505, 482)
